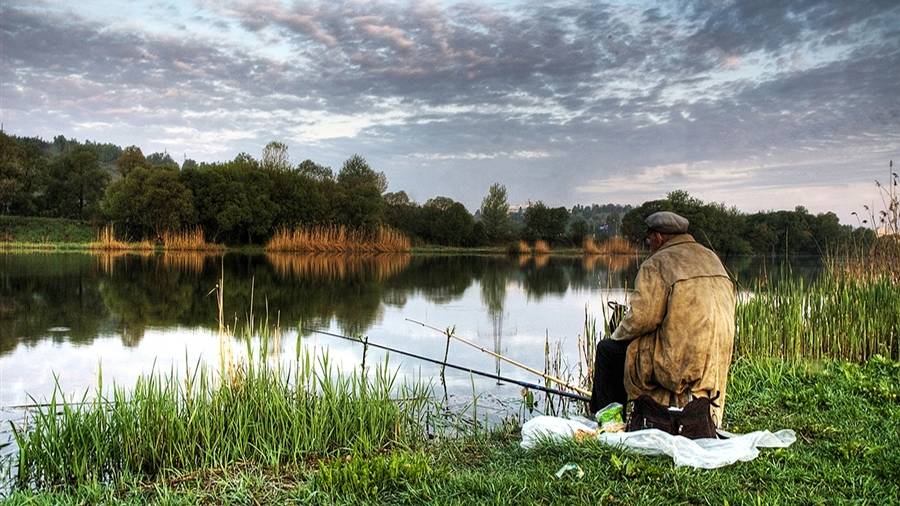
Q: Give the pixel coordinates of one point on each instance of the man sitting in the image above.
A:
(675, 342)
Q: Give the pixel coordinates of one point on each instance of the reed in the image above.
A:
(835, 316)
(615, 245)
(339, 239)
(519, 248)
(541, 247)
(260, 413)
(187, 240)
(106, 241)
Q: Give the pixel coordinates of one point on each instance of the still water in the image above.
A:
(66, 316)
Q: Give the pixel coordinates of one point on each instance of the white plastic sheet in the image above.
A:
(698, 453)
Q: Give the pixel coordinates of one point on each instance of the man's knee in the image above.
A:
(609, 348)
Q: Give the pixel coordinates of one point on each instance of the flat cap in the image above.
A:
(667, 223)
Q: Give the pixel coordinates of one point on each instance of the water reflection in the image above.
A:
(338, 267)
(68, 313)
(126, 293)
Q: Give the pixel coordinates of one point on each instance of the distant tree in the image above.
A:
(360, 201)
(162, 160)
(12, 173)
(447, 222)
(399, 198)
(234, 200)
(542, 222)
(356, 173)
(149, 202)
(189, 164)
(714, 225)
(130, 159)
(613, 222)
(578, 230)
(495, 213)
(275, 157)
(76, 184)
(314, 171)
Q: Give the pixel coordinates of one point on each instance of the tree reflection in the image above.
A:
(91, 295)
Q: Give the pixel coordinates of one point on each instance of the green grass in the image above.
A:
(257, 413)
(34, 231)
(847, 417)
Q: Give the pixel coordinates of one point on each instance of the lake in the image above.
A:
(66, 316)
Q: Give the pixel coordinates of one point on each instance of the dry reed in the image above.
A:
(106, 241)
(339, 239)
(612, 263)
(189, 240)
(541, 247)
(615, 245)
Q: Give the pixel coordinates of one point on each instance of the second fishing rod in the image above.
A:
(497, 377)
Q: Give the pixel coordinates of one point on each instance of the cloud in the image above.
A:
(558, 100)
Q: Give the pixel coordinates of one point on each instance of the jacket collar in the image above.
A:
(678, 239)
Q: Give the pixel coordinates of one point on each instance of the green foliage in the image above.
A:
(275, 157)
(495, 214)
(162, 160)
(131, 158)
(258, 413)
(75, 184)
(370, 477)
(729, 232)
(37, 230)
(846, 452)
(545, 223)
(359, 201)
(12, 174)
(150, 201)
(314, 171)
(578, 230)
(834, 316)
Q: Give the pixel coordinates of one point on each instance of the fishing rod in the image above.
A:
(526, 384)
(503, 358)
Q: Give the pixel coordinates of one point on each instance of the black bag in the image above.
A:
(694, 421)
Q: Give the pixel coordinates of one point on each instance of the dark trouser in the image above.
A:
(609, 374)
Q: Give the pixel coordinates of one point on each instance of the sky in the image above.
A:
(760, 104)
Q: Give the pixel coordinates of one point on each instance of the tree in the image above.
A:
(356, 173)
(130, 159)
(360, 202)
(314, 171)
(162, 160)
(189, 164)
(545, 223)
(12, 173)
(495, 213)
(447, 222)
(275, 157)
(76, 184)
(150, 201)
(578, 230)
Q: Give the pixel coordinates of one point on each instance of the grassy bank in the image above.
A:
(847, 418)
(61, 233)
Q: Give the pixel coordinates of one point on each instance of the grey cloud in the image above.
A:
(583, 83)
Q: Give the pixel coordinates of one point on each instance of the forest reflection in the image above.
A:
(77, 297)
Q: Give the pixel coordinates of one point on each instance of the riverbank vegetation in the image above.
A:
(257, 439)
(339, 239)
(248, 201)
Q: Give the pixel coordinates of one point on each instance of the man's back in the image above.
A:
(682, 323)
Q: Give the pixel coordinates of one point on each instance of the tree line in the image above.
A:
(245, 200)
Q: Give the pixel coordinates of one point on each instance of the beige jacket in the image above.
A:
(682, 322)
